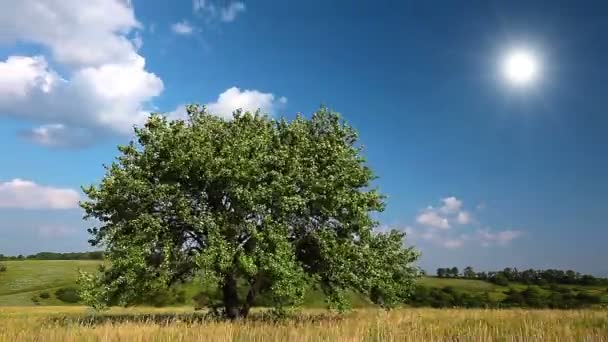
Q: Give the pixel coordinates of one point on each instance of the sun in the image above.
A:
(520, 67)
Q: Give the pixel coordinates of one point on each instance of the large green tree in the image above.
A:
(277, 206)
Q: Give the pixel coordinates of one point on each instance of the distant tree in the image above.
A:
(501, 280)
(442, 272)
(454, 272)
(514, 298)
(272, 204)
(68, 295)
(533, 297)
(468, 272)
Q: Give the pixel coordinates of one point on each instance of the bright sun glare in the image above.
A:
(520, 67)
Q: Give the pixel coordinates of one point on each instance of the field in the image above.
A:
(77, 324)
(23, 279)
(27, 278)
(53, 320)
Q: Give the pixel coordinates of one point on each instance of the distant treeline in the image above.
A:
(529, 277)
(533, 296)
(96, 255)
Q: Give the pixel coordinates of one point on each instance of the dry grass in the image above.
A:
(44, 324)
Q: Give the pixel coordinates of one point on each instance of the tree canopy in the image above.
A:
(276, 205)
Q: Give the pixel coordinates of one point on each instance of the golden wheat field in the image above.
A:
(78, 324)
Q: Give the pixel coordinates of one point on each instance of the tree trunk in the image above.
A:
(251, 295)
(231, 297)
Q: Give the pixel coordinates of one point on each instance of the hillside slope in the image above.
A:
(26, 278)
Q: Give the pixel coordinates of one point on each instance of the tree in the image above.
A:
(442, 272)
(271, 205)
(468, 272)
(454, 272)
(501, 279)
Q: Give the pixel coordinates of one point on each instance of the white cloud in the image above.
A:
(110, 97)
(214, 11)
(438, 220)
(450, 211)
(247, 100)
(21, 75)
(57, 135)
(430, 217)
(107, 88)
(428, 235)
(463, 217)
(25, 194)
(55, 231)
(450, 205)
(503, 237)
(183, 28)
(81, 33)
(453, 243)
(230, 12)
(199, 5)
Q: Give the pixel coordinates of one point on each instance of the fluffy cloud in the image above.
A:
(57, 135)
(234, 98)
(502, 238)
(430, 217)
(80, 33)
(452, 243)
(24, 194)
(450, 205)
(436, 221)
(182, 27)
(230, 12)
(107, 86)
(449, 212)
(247, 100)
(23, 75)
(110, 97)
(463, 217)
(215, 11)
(55, 231)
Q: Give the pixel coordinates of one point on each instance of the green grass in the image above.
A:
(498, 293)
(27, 278)
(460, 284)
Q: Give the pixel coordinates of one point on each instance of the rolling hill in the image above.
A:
(25, 279)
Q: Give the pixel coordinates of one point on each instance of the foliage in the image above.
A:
(554, 297)
(45, 295)
(68, 295)
(2, 268)
(279, 205)
(501, 280)
(529, 276)
(447, 272)
(165, 297)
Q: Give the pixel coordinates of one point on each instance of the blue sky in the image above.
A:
(477, 170)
